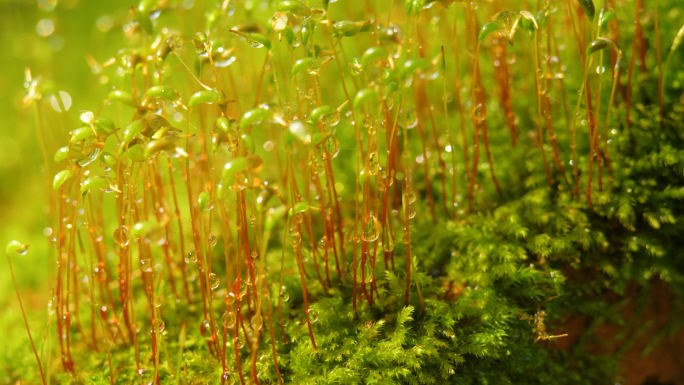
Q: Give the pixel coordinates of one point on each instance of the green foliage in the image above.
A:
(535, 252)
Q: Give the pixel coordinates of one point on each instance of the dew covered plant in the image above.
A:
(360, 192)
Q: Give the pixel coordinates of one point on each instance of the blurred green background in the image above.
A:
(52, 38)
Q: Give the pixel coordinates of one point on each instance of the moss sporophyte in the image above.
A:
(219, 206)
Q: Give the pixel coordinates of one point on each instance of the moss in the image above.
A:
(495, 284)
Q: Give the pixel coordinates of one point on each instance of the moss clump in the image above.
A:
(262, 192)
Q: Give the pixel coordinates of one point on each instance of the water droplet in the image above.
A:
(355, 67)
(279, 21)
(254, 44)
(410, 196)
(146, 265)
(331, 119)
(214, 281)
(478, 113)
(410, 117)
(368, 121)
(121, 236)
(192, 257)
(295, 238)
(160, 325)
(239, 342)
(388, 241)
(228, 319)
(371, 231)
(411, 211)
(332, 147)
(205, 329)
(243, 288)
(157, 300)
(328, 208)
(284, 295)
(373, 163)
(321, 244)
(313, 315)
(213, 240)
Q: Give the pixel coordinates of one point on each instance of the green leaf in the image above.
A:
(122, 96)
(234, 166)
(166, 144)
(600, 44)
(142, 228)
(61, 177)
(302, 64)
(203, 199)
(605, 17)
(104, 124)
(301, 206)
(298, 208)
(413, 65)
(306, 33)
(80, 134)
(225, 124)
(255, 40)
(363, 96)
(163, 92)
(295, 7)
(143, 21)
(15, 247)
(487, 29)
(276, 215)
(529, 22)
(131, 131)
(94, 182)
(205, 96)
(350, 28)
(254, 116)
(61, 154)
(248, 141)
(371, 54)
(136, 153)
(321, 111)
(589, 9)
(391, 88)
(289, 35)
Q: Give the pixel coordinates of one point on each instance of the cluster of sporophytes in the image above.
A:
(285, 196)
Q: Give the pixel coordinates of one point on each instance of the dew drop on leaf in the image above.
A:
(331, 119)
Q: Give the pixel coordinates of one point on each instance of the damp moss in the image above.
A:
(205, 105)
